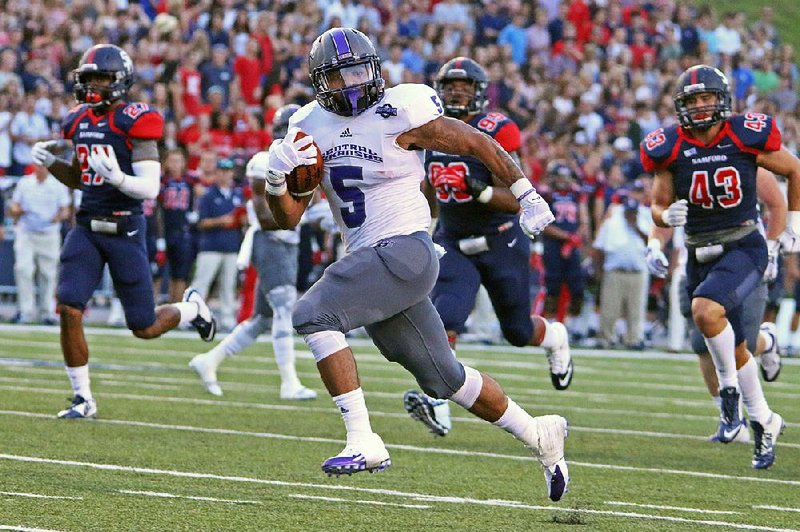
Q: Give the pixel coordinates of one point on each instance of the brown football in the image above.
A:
(304, 179)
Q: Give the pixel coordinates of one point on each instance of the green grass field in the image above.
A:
(164, 455)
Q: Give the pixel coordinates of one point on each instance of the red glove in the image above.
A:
(161, 258)
(573, 242)
(452, 177)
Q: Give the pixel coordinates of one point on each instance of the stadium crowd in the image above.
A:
(585, 80)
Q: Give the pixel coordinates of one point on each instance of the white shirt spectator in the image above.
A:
(40, 202)
(5, 139)
(31, 125)
(729, 40)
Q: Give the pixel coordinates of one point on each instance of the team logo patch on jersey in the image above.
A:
(690, 152)
(345, 134)
(386, 110)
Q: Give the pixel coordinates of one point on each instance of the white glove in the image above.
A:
(773, 256)
(103, 161)
(286, 155)
(790, 238)
(41, 155)
(535, 215)
(676, 214)
(657, 262)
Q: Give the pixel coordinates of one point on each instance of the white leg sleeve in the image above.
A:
(282, 299)
(325, 343)
(469, 392)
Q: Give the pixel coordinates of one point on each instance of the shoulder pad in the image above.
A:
(657, 149)
(139, 121)
(409, 106)
(755, 132)
(502, 129)
(70, 121)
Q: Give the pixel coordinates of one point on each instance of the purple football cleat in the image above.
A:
(363, 452)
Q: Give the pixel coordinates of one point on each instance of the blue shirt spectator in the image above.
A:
(218, 208)
(514, 35)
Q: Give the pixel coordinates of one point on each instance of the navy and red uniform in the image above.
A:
(503, 269)
(719, 182)
(85, 252)
(562, 259)
(176, 200)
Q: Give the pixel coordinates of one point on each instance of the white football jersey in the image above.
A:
(372, 184)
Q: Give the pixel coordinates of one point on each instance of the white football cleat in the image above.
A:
(770, 360)
(434, 413)
(766, 436)
(207, 374)
(560, 359)
(204, 323)
(551, 431)
(297, 393)
(80, 409)
(363, 452)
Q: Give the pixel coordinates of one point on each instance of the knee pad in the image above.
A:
(470, 390)
(256, 325)
(325, 343)
(282, 299)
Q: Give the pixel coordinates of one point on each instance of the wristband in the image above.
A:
(793, 221)
(486, 195)
(654, 244)
(522, 188)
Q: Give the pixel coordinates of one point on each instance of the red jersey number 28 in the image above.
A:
(727, 178)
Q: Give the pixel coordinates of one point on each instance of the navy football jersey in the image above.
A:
(460, 215)
(116, 129)
(718, 180)
(176, 198)
(565, 205)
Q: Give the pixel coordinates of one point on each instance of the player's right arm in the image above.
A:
(663, 192)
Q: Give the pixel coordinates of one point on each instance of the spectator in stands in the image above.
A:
(619, 254)
(39, 204)
(218, 73)
(27, 128)
(5, 135)
(219, 225)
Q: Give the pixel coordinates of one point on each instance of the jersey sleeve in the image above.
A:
(409, 106)
(755, 132)
(658, 149)
(70, 122)
(508, 136)
(140, 121)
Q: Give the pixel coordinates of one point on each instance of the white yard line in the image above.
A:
(411, 448)
(386, 492)
(20, 528)
(359, 501)
(38, 496)
(676, 508)
(776, 508)
(189, 497)
(374, 413)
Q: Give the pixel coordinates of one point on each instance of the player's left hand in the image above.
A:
(790, 241)
(535, 214)
(773, 255)
(104, 162)
(285, 155)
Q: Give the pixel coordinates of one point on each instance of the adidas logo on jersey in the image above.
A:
(345, 134)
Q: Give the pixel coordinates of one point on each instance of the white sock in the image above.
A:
(518, 422)
(188, 311)
(240, 338)
(717, 401)
(552, 337)
(79, 379)
(354, 411)
(283, 345)
(752, 394)
(768, 340)
(723, 351)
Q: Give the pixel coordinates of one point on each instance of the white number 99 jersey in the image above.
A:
(372, 184)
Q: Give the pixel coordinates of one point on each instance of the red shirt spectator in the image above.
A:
(639, 49)
(248, 72)
(251, 138)
(191, 81)
(578, 14)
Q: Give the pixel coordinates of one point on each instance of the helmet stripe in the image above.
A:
(90, 59)
(694, 76)
(343, 50)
